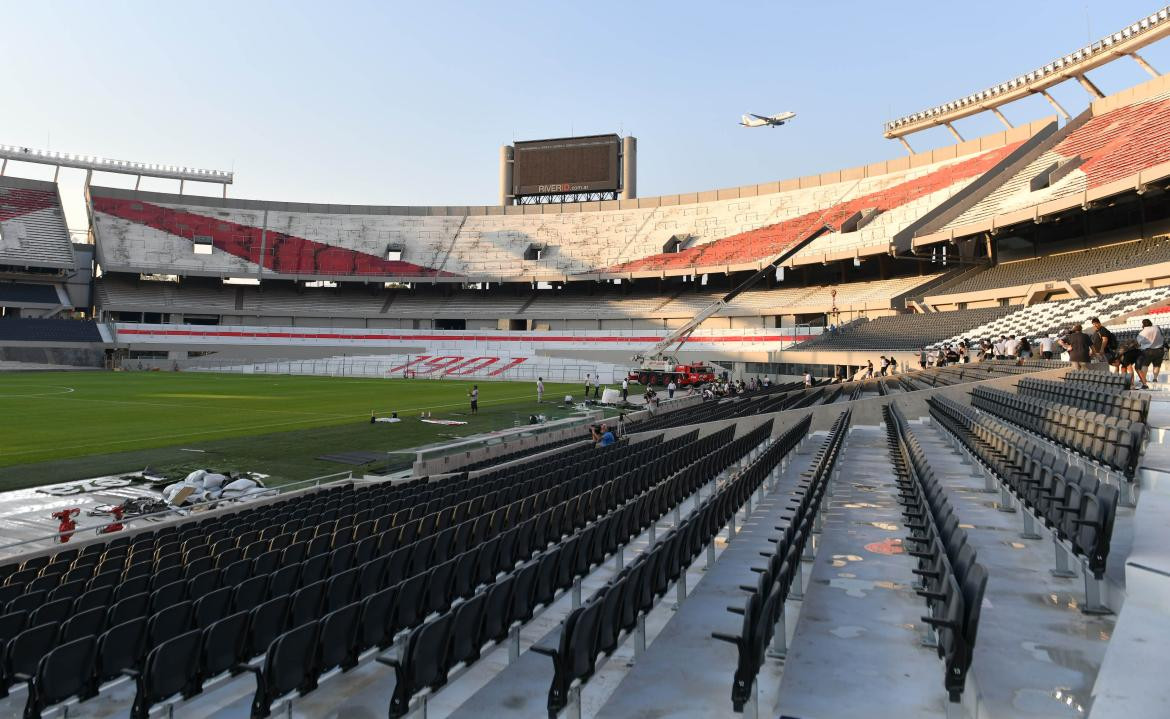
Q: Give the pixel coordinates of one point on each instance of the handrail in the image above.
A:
(98, 528)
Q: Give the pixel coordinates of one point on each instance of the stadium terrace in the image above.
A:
(585, 453)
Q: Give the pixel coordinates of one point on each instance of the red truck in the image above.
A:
(660, 373)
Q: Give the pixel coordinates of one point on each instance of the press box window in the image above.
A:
(202, 244)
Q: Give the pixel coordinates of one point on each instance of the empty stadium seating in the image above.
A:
(1075, 507)
(149, 231)
(1112, 146)
(48, 330)
(32, 225)
(310, 583)
(770, 240)
(905, 331)
(121, 293)
(1066, 265)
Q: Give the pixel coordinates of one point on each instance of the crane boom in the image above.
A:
(680, 335)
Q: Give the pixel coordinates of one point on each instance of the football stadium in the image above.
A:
(886, 440)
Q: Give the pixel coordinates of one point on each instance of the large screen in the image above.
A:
(578, 164)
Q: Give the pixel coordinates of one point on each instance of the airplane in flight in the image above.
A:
(754, 120)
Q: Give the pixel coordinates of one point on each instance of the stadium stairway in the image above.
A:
(860, 612)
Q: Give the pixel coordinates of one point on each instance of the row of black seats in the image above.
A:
(1112, 442)
(320, 507)
(952, 581)
(595, 629)
(422, 552)
(1106, 399)
(459, 635)
(1094, 378)
(179, 565)
(764, 606)
(1077, 508)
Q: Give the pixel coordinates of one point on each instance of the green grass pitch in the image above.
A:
(62, 426)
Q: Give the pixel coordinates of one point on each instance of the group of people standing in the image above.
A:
(1138, 354)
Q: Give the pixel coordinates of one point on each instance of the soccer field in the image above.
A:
(61, 426)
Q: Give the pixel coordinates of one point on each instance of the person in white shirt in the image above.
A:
(670, 388)
(1046, 345)
(808, 381)
(625, 388)
(1011, 347)
(1151, 343)
(540, 390)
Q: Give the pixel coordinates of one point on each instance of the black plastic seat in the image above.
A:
(223, 645)
(119, 648)
(377, 627)
(211, 607)
(337, 644)
(423, 663)
(266, 622)
(306, 604)
(91, 622)
(340, 589)
(314, 569)
(248, 594)
(370, 576)
(54, 612)
(23, 653)
(467, 630)
(170, 668)
(410, 601)
(167, 595)
(27, 602)
(284, 580)
(573, 657)
(289, 664)
(62, 673)
(168, 623)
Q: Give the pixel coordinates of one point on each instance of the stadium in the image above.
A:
(836, 445)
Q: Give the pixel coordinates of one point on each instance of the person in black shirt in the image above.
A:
(1104, 342)
(1078, 345)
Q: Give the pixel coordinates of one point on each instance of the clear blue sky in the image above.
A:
(394, 103)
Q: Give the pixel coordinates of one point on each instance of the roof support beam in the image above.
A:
(906, 145)
(958, 137)
(1052, 101)
(1141, 61)
(995, 111)
(1090, 87)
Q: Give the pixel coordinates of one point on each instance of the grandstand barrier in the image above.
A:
(454, 456)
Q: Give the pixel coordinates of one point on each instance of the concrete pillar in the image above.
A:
(507, 153)
(629, 168)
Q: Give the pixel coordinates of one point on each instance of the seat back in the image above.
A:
(223, 644)
(338, 638)
(62, 673)
(170, 668)
(290, 663)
